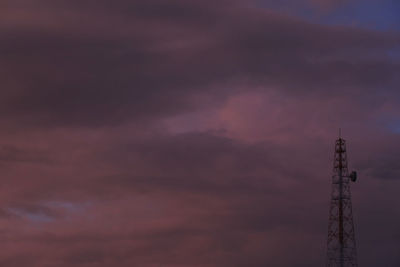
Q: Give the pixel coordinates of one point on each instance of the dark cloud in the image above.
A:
(134, 61)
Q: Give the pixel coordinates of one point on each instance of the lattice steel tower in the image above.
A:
(341, 240)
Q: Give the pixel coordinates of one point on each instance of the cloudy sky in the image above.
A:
(182, 133)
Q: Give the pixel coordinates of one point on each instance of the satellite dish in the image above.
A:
(353, 176)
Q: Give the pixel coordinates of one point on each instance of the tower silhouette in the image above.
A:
(341, 238)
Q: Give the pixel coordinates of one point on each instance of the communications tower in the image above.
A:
(341, 239)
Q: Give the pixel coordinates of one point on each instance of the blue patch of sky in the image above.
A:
(37, 217)
(41, 217)
(371, 14)
(396, 128)
(379, 15)
(388, 122)
(393, 126)
(382, 15)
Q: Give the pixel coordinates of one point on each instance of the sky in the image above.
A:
(179, 133)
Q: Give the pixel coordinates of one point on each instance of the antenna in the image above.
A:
(341, 238)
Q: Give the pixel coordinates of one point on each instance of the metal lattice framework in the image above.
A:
(341, 239)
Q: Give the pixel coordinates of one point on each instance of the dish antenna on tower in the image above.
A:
(353, 176)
